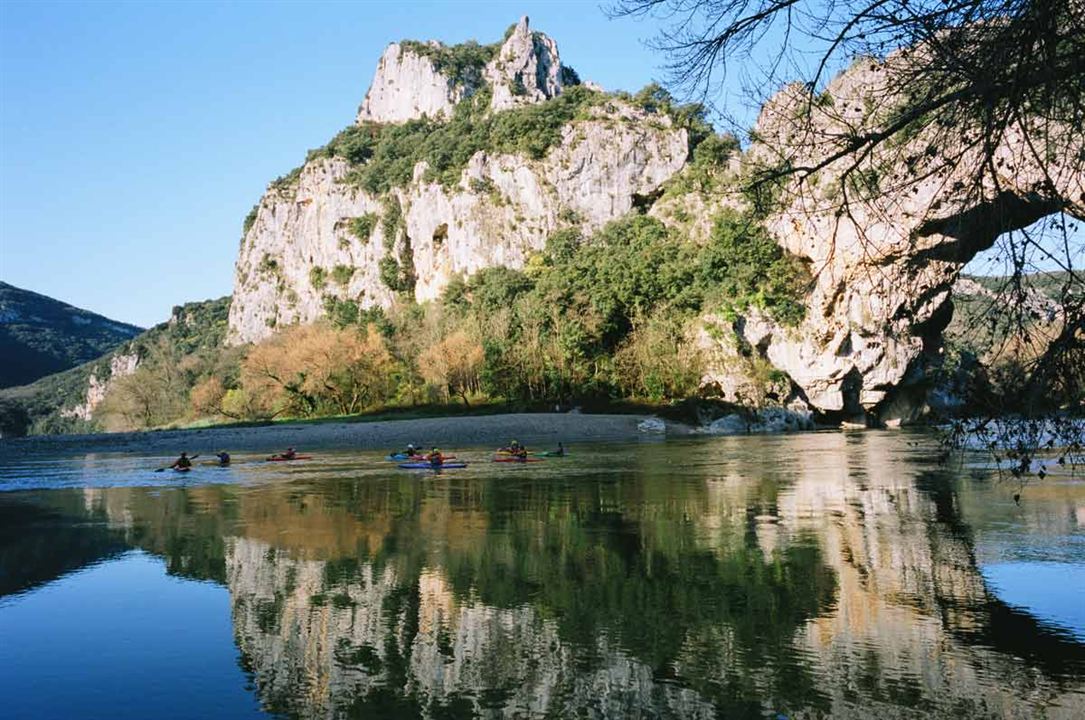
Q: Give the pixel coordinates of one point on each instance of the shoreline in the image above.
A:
(539, 430)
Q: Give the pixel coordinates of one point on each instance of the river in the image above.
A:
(823, 574)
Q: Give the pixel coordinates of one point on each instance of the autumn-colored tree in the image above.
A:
(453, 364)
(206, 396)
(309, 369)
(152, 396)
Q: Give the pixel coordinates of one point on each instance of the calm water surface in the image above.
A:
(818, 575)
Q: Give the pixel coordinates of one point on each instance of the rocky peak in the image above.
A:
(408, 85)
(416, 79)
(527, 69)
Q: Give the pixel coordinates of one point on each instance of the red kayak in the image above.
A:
(517, 459)
(280, 458)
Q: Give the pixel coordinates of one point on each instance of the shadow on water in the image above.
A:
(822, 574)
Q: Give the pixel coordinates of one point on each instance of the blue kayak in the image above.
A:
(431, 466)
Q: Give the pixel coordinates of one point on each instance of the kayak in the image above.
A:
(517, 459)
(181, 469)
(550, 453)
(431, 466)
(279, 458)
(414, 458)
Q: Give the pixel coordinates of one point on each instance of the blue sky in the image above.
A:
(134, 137)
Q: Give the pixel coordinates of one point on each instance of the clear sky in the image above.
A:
(134, 137)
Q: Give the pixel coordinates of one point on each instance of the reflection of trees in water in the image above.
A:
(837, 579)
(39, 543)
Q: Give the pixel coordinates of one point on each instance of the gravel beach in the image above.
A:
(536, 430)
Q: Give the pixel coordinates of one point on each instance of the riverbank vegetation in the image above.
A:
(587, 321)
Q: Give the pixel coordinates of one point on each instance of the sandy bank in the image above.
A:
(533, 429)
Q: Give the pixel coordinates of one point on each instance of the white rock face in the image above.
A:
(120, 365)
(503, 208)
(526, 70)
(408, 83)
(407, 86)
(884, 269)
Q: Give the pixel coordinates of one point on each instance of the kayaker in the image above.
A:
(411, 450)
(182, 463)
(560, 452)
(290, 454)
(435, 458)
(224, 457)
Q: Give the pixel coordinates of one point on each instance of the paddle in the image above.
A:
(162, 469)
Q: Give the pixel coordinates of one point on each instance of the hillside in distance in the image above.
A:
(40, 336)
(64, 402)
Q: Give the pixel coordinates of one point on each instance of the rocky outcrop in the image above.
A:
(303, 247)
(120, 365)
(527, 69)
(408, 85)
(885, 236)
(412, 81)
(503, 208)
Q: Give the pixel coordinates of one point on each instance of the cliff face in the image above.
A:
(884, 240)
(429, 79)
(502, 206)
(408, 85)
(885, 257)
(526, 70)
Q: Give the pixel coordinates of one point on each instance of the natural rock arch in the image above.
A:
(887, 231)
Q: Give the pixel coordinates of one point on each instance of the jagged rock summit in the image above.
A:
(408, 85)
(527, 69)
(415, 79)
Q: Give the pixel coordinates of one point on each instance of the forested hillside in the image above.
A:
(40, 336)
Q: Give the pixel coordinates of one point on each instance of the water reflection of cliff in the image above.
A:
(839, 578)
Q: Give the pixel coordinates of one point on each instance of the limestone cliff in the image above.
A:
(304, 245)
(888, 232)
(408, 85)
(527, 69)
(884, 238)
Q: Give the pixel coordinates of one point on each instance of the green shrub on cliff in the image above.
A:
(462, 63)
(342, 274)
(363, 226)
(606, 315)
(384, 155)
